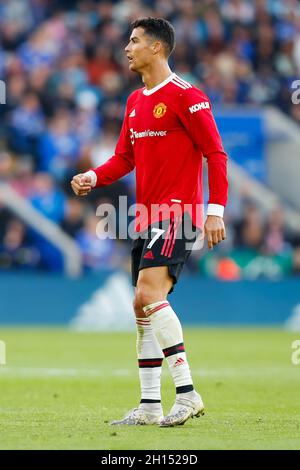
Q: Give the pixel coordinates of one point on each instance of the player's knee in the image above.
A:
(146, 295)
(138, 308)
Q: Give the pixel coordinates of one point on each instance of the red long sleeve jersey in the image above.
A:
(165, 133)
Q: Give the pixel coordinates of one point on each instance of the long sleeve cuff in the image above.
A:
(215, 209)
(93, 176)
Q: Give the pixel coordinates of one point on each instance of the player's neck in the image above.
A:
(154, 76)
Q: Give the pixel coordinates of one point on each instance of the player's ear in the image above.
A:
(156, 47)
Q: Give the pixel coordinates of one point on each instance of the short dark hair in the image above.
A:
(158, 28)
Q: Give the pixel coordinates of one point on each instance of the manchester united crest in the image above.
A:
(159, 110)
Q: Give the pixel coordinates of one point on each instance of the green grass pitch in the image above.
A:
(60, 389)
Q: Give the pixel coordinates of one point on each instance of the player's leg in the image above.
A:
(153, 285)
(150, 357)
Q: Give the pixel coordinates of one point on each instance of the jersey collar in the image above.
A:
(160, 85)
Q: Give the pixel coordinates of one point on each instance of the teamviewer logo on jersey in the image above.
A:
(198, 106)
(147, 133)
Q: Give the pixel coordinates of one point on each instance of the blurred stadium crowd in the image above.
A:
(67, 82)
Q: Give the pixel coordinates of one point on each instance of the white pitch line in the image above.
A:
(50, 372)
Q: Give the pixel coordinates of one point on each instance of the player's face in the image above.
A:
(139, 51)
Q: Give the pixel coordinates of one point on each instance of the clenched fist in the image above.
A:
(214, 230)
(81, 184)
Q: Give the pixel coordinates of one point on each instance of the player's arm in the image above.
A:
(121, 163)
(198, 119)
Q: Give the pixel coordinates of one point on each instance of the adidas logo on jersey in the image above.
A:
(198, 106)
(132, 114)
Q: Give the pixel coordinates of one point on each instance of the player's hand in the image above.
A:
(81, 184)
(214, 230)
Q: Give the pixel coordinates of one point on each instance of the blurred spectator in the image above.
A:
(15, 252)
(46, 198)
(6, 165)
(276, 238)
(22, 181)
(104, 145)
(100, 62)
(97, 253)
(87, 121)
(59, 147)
(249, 231)
(73, 218)
(237, 11)
(26, 124)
